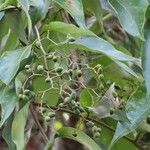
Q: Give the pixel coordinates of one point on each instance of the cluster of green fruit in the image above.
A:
(95, 130)
(71, 103)
(26, 95)
(47, 114)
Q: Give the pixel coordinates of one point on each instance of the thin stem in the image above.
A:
(89, 119)
(34, 115)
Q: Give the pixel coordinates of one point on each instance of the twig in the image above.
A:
(34, 115)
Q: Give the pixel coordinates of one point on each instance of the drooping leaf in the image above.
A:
(10, 62)
(146, 57)
(85, 98)
(18, 126)
(8, 103)
(7, 134)
(65, 28)
(137, 108)
(131, 15)
(75, 9)
(79, 136)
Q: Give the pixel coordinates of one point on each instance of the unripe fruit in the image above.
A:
(81, 109)
(40, 68)
(73, 103)
(43, 110)
(94, 129)
(47, 118)
(77, 111)
(32, 94)
(38, 44)
(50, 56)
(25, 98)
(29, 70)
(96, 135)
(20, 96)
(55, 58)
(75, 67)
(61, 105)
(27, 67)
(73, 95)
(79, 73)
(66, 100)
(48, 80)
(101, 77)
(59, 69)
(26, 92)
(51, 114)
(112, 111)
(90, 124)
(99, 129)
(115, 94)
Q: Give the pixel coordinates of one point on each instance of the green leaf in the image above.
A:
(79, 136)
(146, 57)
(8, 103)
(65, 28)
(18, 126)
(75, 9)
(86, 98)
(3, 5)
(25, 7)
(131, 15)
(95, 44)
(15, 22)
(10, 62)
(137, 108)
(7, 134)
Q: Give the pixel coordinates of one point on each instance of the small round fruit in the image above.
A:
(79, 73)
(48, 80)
(77, 111)
(40, 68)
(47, 118)
(25, 98)
(75, 66)
(66, 100)
(101, 77)
(44, 110)
(61, 105)
(59, 69)
(55, 58)
(27, 67)
(112, 110)
(73, 95)
(26, 92)
(94, 129)
(115, 94)
(90, 124)
(70, 71)
(99, 129)
(29, 70)
(96, 135)
(51, 114)
(50, 56)
(20, 96)
(38, 44)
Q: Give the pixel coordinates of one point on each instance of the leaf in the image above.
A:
(146, 57)
(86, 98)
(25, 7)
(38, 8)
(8, 103)
(75, 9)
(95, 44)
(18, 126)
(7, 134)
(131, 15)
(10, 62)
(137, 108)
(3, 5)
(15, 23)
(79, 136)
(65, 28)
(102, 108)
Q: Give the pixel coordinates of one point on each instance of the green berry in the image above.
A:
(90, 124)
(99, 129)
(73, 95)
(96, 135)
(51, 114)
(81, 109)
(47, 118)
(43, 110)
(20, 96)
(50, 56)
(32, 94)
(73, 103)
(59, 69)
(117, 87)
(77, 111)
(100, 70)
(94, 129)
(40, 68)
(66, 100)
(101, 77)
(25, 98)
(48, 80)
(75, 66)
(90, 110)
(115, 94)
(61, 105)
(29, 70)
(27, 67)
(26, 92)
(111, 111)
(55, 58)
(79, 73)
(38, 44)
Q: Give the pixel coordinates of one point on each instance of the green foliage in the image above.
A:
(75, 58)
